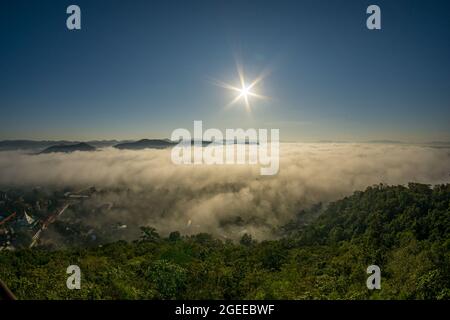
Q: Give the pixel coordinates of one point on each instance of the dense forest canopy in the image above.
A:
(323, 254)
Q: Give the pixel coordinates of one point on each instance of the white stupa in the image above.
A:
(28, 218)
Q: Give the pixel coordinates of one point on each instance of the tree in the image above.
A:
(149, 234)
(246, 240)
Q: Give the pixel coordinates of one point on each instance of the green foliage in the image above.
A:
(149, 234)
(404, 230)
(169, 278)
(175, 236)
(246, 240)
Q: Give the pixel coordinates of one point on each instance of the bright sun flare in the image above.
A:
(244, 92)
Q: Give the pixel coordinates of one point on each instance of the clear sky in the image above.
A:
(140, 69)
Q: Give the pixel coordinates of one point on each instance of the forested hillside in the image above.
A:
(404, 230)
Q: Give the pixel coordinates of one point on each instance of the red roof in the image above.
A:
(8, 218)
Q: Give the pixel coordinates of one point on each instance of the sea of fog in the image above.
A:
(146, 188)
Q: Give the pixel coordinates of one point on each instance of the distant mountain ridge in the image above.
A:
(10, 145)
(28, 144)
(156, 144)
(41, 145)
(67, 148)
(146, 144)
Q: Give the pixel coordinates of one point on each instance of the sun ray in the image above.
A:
(245, 92)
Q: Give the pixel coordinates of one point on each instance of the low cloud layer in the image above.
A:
(146, 188)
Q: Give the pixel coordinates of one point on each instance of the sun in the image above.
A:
(244, 92)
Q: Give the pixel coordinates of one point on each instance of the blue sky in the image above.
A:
(144, 68)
